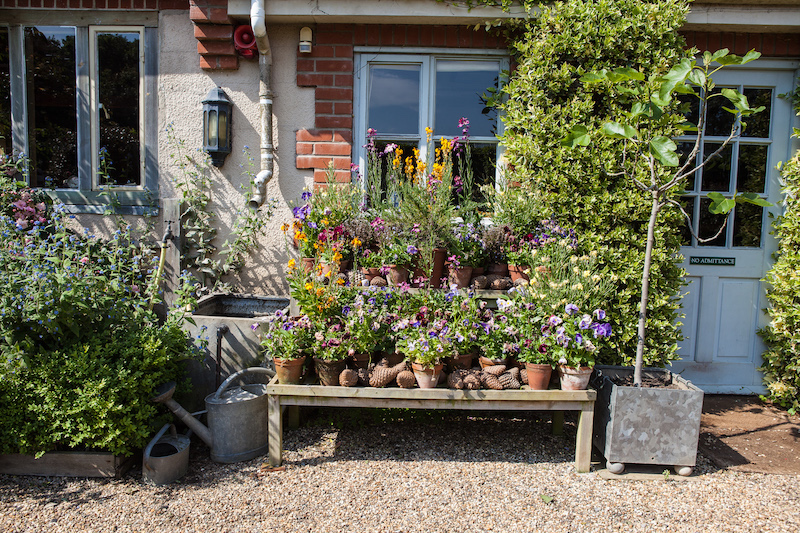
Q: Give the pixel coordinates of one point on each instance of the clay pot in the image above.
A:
(439, 258)
(370, 273)
(427, 377)
(328, 371)
(573, 378)
(538, 375)
(459, 276)
(289, 371)
(360, 359)
(308, 264)
(499, 269)
(462, 361)
(392, 358)
(517, 272)
(478, 271)
(485, 361)
(397, 275)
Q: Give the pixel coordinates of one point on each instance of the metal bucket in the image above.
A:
(166, 457)
(237, 418)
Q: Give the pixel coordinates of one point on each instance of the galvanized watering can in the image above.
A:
(166, 458)
(237, 418)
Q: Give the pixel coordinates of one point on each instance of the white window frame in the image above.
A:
(88, 197)
(365, 56)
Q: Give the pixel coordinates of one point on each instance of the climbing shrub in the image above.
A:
(545, 99)
(782, 336)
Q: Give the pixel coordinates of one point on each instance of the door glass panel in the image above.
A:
(747, 220)
(688, 205)
(5, 95)
(718, 121)
(393, 102)
(709, 225)
(717, 171)
(752, 168)
(459, 87)
(118, 68)
(684, 149)
(758, 125)
(52, 119)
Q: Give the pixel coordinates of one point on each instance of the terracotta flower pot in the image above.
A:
(500, 269)
(370, 273)
(439, 258)
(427, 377)
(328, 371)
(518, 272)
(485, 361)
(289, 371)
(397, 275)
(478, 271)
(308, 264)
(360, 359)
(462, 361)
(459, 276)
(538, 375)
(574, 378)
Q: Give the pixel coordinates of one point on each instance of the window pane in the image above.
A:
(118, 82)
(719, 121)
(52, 119)
(684, 149)
(688, 205)
(5, 95)
(459, 89)
(758, 125)
(394, 99)
(747, 225)
(752, 168)
(717, 171)
(710, 225)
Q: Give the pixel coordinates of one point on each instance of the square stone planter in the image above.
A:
(647, 425)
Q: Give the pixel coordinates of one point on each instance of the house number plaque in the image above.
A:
(717, 261)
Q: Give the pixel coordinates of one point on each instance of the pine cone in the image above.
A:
(456, 379)
(490, 381)
(348, 378)
(363, 377)
(523, 376)
(479, 282)
(514, 372)
(472, 381)
(378, 281)
(508, 381)
(495, 370)
(382, 376)
(406, 379)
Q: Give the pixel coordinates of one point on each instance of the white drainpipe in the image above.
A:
(257, 21)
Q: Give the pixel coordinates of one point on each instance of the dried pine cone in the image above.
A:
(363, 377)
(523, 376)
(479, 282)
(495, 370)
(490, 381)
(472, 381)
(456, 379)
(508, 381)
(348, 378)
(501, 284)
(514, 372)
(382, 376)
(406, 379)
(378, 281)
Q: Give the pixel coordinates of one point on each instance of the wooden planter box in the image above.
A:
(656, 426)
(72, 464)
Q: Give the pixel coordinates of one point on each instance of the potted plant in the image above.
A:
(532, 352)
(398, 256)
(499, 339)
(426, 348)
(465, 328)
(286, 340)
(649, 157)
(331, 347)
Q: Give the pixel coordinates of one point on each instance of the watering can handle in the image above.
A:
(232, 377)
(148, 450)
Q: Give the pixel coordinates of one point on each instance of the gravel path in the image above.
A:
(413, 472)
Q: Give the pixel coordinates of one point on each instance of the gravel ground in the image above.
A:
(404, 472)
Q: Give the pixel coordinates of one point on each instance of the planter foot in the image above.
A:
(615, 468)
(684, 471)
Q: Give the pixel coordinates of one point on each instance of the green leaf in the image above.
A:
(546, 498)
(665, 150)
(752, 55)
(676, 76)
(720, 204)
(629, 73)
(578, 136)
(736, 98)
(594, 77)
(615, 130)
(751, 198)
(697, 76)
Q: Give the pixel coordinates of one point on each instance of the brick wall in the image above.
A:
(329, 69)
(214, 33)
(769, 44)
(128, 5)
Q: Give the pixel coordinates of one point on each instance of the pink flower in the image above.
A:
(84, 260)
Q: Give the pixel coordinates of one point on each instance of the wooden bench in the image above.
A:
(281, 396)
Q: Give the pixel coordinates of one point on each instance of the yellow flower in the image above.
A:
(428, 133)
(325, 221)
(337, 257)
(292, 263)
(340, 281)
(308, 286)
(284, 227)
(328, 273)
(356, 242)
(320, 292)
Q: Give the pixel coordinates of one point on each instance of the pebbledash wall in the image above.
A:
(313, 99)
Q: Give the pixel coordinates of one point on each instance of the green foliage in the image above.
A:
(782, 336)
(546, 98)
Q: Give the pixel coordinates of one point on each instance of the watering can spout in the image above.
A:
(164, 395)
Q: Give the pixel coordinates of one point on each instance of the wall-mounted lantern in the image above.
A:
(305, 40)
(217, 125)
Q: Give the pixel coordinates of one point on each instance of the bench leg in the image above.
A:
(275, 430)
(583, 444)
(558, 423)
